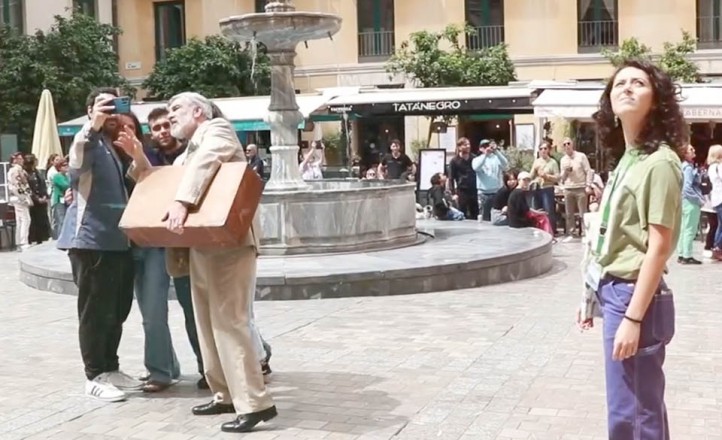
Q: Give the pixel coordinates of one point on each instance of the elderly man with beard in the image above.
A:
(99, 252)
(223, 281)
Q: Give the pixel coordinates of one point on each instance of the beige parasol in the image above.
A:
(46, 140)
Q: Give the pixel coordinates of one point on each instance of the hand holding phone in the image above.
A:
(121, 105)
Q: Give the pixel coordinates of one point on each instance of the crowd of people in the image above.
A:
(37, 198)
(650, 203)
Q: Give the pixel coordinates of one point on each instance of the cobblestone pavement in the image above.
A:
(501, 362)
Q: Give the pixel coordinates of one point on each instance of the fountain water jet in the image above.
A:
(299, 217)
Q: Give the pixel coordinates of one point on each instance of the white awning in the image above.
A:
(249, 108)
(698, 103)
(385, 96)
(702, 103)
(569, 104)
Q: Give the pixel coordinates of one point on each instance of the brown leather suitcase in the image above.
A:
(222, 219)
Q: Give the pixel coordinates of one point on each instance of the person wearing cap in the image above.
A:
(518, 211)
(489, 167)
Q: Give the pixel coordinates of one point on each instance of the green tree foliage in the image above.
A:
(674, 58)
(73, 57)
(438, 59)
(215, 67)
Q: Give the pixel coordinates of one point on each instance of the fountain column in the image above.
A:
(284, 119)
(284, 116)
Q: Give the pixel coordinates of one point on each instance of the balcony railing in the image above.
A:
(375, 46)
(709, 32)
(485, 36)
(596, 35)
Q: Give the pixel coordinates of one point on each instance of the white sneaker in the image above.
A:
(707, 254)
(123, 381)
(99, 388)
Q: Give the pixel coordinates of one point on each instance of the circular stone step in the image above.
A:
(456, 255)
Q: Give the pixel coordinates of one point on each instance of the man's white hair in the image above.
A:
(195, 99)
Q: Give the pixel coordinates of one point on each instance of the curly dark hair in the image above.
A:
(664, 124)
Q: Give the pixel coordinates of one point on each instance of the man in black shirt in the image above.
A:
(462, 180)
(394, 163)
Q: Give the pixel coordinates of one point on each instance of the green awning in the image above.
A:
(70, 130)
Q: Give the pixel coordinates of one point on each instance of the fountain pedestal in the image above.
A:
(327, 216)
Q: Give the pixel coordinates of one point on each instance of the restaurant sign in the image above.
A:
(703, 113)
(429, 106)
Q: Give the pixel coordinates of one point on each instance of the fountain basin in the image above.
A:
(339, 215)
(280, 28)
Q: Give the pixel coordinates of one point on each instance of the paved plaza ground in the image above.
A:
(500, 362)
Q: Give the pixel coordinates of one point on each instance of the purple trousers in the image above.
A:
(635, 386)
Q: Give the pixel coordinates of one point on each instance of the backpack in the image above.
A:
(705, 183)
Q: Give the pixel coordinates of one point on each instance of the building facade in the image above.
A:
(550, 39)
(29, 16)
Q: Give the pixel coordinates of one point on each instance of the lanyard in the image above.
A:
(629, 159)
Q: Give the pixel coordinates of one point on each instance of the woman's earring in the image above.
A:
(616, 121)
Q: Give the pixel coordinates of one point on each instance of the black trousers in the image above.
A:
(469, 203)
(712, 220)
(105, 296)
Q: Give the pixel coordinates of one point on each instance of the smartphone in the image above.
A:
(121, 104)
(319, 146)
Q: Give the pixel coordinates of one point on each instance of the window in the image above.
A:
(260, 6)
(170, 28)
(86, 7)
(375, 29)
(487, 19)
(11, 12)
(597, 25)
(709, 24)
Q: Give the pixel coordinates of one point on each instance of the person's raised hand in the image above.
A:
(129, 142)
(100, 113)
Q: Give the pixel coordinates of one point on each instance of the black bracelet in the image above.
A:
(636, 321)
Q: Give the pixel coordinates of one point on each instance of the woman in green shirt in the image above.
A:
(60, 183)
(640, 118)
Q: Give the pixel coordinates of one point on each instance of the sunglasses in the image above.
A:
(158, 127)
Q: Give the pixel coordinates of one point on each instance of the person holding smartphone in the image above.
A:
(100, 253)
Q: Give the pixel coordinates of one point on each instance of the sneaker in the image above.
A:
(124, 382)
(100, 388)
(707, 253)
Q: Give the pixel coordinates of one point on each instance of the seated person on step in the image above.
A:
(440, 200)
(518, 211)
(499, 208)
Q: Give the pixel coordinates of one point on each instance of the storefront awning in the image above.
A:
(567, 104)
(699, 103)
(246, 113)
(433, 101)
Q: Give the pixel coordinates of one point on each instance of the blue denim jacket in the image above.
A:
(691, 186)
(97, 178)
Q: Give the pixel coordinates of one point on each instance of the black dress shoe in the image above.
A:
(202, 383)
(213, 409)
(246, 422)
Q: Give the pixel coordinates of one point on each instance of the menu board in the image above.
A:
(431, 161)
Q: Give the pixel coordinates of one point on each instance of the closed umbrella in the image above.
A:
(46, 140)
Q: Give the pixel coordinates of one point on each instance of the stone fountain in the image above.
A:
(300, 217)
